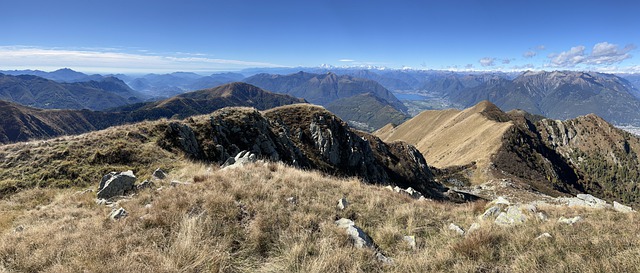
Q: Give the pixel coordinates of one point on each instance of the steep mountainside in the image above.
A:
(20, 123)
(366, 112)
(450, 138)
(604, 154)
(42, 93)
(302, 135)
(482, 143)
(559, 95)
(23, 123)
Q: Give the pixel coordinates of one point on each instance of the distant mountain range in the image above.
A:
(340, 93)
(20, 123)
(39, 92)
(169, 85)
(559, 95)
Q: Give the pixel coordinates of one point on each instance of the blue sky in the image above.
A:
(205, 36)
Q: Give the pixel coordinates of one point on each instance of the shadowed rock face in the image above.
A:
(309, 137)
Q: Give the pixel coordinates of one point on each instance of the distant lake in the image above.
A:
(409, 96)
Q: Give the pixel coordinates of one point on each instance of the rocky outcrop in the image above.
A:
(305, 136)
(242, 158)
(114, 184)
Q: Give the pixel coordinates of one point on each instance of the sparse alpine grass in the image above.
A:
(241, 220)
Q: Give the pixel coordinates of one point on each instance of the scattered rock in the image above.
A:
(359, 238)
(292, 200)
(159, 174)
(490, 212)
(102, 202)
(570, 221)
(456, 228)
(411, 241)
(383, 259)
(148, 206)
(118, 213)
(585, 201)
(622, 208)
(145, 185)
(543, 236)
(473, 227)
(116, 184)
(342, 203)
(413, 193)
(542, 216)
(513, 216)
(19, 228)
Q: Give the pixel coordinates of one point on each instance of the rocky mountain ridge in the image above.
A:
(582, 155)
(305, 136)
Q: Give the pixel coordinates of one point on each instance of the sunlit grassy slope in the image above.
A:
(242, 220)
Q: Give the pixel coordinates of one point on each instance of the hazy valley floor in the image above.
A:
(244, 220)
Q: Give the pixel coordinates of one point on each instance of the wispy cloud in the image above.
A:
(529, 54)
(602, 54)
(346, 60)
(487, 61)
(97, 60)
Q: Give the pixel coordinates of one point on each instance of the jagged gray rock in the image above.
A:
(159, 174)
(183, 137)
(622, 208)
(342, 203)
(513, 216)
(242, 158)
(361, 239)
(358, 237)
(118, 214)
(490, 213)
(473, 227)
(116, 184)
(457, 229)
(585, 201)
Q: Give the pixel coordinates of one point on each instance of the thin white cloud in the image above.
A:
(540, 47)
(487, 61)
(507, 61)
(12, 57)
(529, 54)
(602, 54)
(346, 60)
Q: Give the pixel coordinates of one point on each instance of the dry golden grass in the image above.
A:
(239, 220)
(470, 137)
